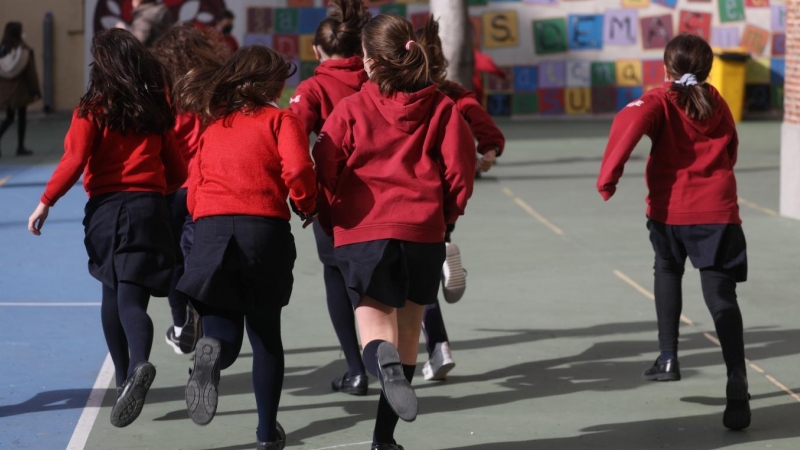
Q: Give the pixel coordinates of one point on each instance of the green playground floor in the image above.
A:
(552, 335)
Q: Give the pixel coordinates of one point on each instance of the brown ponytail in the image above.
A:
(690, 54)
(399, 63)
(340, 33)
(252, 78)
(428, 37)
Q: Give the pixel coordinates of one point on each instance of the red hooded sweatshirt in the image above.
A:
(333, 80)
(483, 128)
(247, 164)
(690, 169)
(393, 167)
(115, 162)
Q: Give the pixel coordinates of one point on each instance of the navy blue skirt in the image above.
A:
(392, 271)
(240, 263)
(128, 239)
(719, 246)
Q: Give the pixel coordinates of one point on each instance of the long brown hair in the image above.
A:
(127, 86)
(252, 78)
(428, 38)
(691, 54)
(399, 63)
(340, 32)
(12, 37)
(184, 47)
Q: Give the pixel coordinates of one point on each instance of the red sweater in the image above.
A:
(483, 128)
(333, 80)
(115, 162)
(690, 169)
(188, 129)
(393, 167)
(241, 169)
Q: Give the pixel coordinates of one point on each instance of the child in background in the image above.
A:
(251, 157)
(393, 170)
(121, 134)
(337, 44)
(692, 207)
(490, 145)
(182, 49)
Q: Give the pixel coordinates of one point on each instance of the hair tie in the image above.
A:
(408, 45)
(687, 80)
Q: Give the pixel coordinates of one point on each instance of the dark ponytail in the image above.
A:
(399, 63)
(688, 54)
(428, 38)
(340, 32)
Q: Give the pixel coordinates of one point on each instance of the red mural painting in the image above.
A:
(108, 13)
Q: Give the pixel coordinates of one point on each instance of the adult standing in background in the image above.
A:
(151, 20)
(224, 24)
(19, 83)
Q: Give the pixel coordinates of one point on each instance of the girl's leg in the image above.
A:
(133, 300)
(114, 334)
(409, 325)
(669, 303)
(433, 325)
(6, 123)
(264, 332)
(719, 292)
(343, 319)
(225, 326)
(377, 323)
(21, 127)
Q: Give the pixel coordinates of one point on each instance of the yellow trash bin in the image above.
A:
(728, 76)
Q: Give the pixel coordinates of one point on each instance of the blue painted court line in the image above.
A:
(51, 354)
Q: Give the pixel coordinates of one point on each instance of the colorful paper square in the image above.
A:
(525, 104)
(552, 74)
(604, 99)
(289, 45)
(698, 23)
(578, 100)
(731, 10)
(656, 31)
(725, 37)
(604, 73)
(755, 39)
(629, 73)
(585, 32)
(653, 72)
(779, 18)
(495, 83)
(778, 44)
(551, 101)
(498, 104)
(309, 19)
(500, 29)
(620, 27)
(307, 48)
(526, 79)
(579, 73)
(259, 20)
(286, 20)
(550, 36)
(258, 39)
(625, 95)
(778, 71)
(396, 8)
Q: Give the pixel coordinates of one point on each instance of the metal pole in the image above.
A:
(48, 62)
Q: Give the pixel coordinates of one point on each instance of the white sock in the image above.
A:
(177, 331)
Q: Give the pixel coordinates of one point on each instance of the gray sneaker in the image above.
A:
(440, 364)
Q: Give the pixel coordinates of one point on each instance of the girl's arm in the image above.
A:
(487, 134)
(733, 145)
(330, 155)
(78, 144)
(175, 167)
(194, 179)
(458, 175)
(297, 169)
(306, 106)
(639, 118)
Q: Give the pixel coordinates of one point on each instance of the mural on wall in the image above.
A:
(559, 56)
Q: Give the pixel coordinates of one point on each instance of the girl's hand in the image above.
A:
(309, 221)
(36, 221)
(486, 161)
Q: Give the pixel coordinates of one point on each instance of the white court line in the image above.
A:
(344, 445)
(48, 304)
(92, 408)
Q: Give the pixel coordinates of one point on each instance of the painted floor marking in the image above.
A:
(92, 408)
(757, 207)
(39, 304)
(532, 212)
(344, 445)
(713, 338)
(4, 180)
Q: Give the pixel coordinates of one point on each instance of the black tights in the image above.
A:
(127, 327)
(264, 332)
(719, 292)
(21, 125)
(344, 322)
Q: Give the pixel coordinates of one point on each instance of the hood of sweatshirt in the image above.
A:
(404, 111)
(14, 62)
(705, 126)
(349, 72)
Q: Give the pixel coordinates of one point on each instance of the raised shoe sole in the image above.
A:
(201, 390)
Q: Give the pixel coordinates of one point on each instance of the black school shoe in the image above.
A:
(130, 397)
(398, 391)
(277, 445)
(737, 412)
(669, 370)
(353, 385)
(201, 389)
(386, 447)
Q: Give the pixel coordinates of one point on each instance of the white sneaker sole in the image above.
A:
(454, 277)
(174, 346)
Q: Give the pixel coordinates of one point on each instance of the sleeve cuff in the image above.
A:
(47, 201)
(607, 192)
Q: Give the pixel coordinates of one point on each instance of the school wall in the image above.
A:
(790, 133)
(67, 40)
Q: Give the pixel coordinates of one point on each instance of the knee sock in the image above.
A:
(264, 333)
(719, 292)
(114, 334)
(386, 419)
(133, 300)
(669, 303)
(343, 319)
(433, 326)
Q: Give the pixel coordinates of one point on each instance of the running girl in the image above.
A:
(393, 171)
(251, 157)
(121, 134)
(692, 207)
